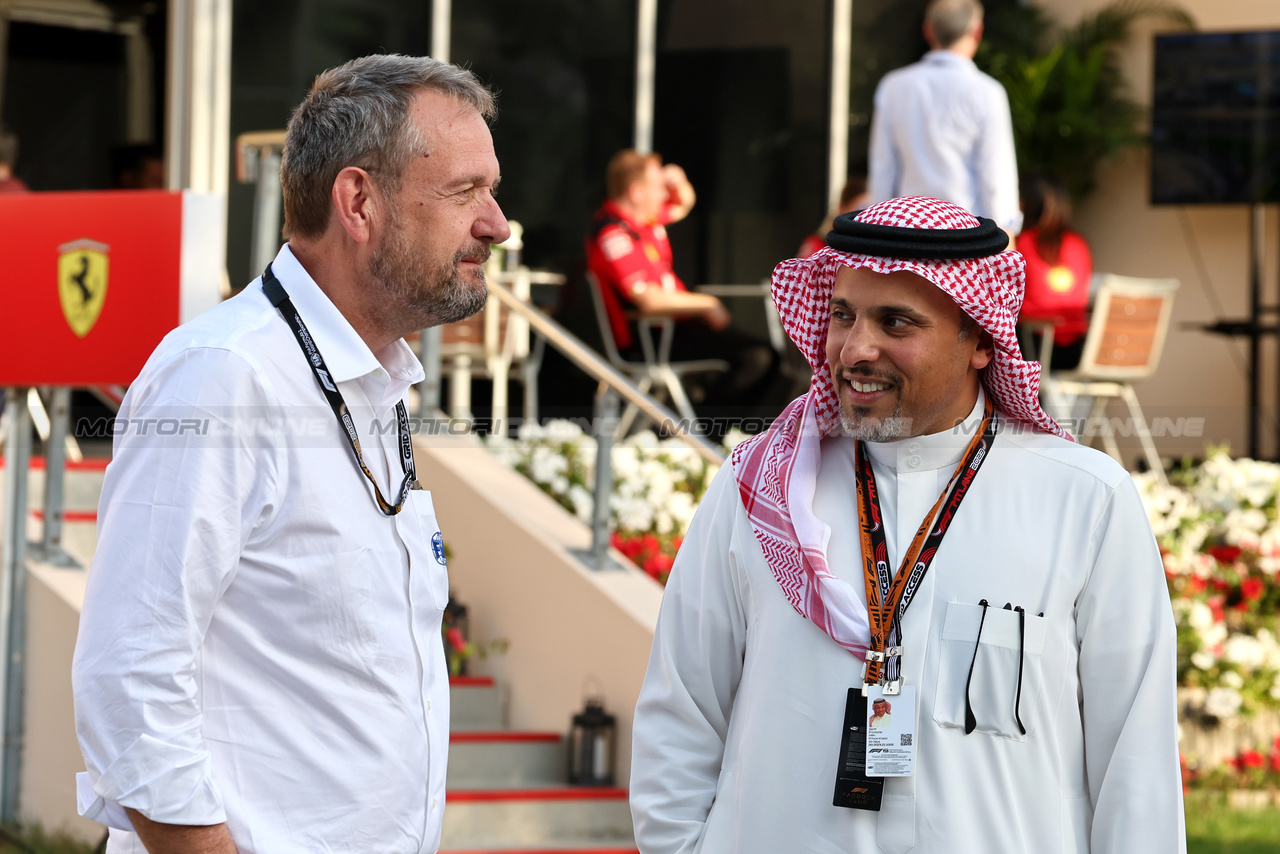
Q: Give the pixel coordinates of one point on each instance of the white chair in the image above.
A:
(656, 369)
(1126, 336)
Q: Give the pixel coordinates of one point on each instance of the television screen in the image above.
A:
(1215, 118)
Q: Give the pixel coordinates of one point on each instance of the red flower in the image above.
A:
(657, 565)
(456, 640)
(1252, 759)
(1252, 588)
(1221, 585)
(1225, 554)
(1215, 605)
(1275, 761)
(1195, 584)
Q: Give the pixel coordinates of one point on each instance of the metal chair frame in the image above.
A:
(657, 369)
(1101, 381)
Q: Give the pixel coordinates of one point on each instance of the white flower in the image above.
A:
(1200, 617)
(632, 514)
(562, 430)
(1246, 652)
(1223, 702)
(583, 503)
(1202, 659)
(546, 465)
(1233, 680)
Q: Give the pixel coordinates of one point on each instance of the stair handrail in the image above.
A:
(578, 352)
(612, 386)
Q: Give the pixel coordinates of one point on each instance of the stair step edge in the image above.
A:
(482, 735)
(537, 793)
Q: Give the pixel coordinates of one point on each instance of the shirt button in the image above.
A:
(914, 447)
(428, 705)
(913, 461)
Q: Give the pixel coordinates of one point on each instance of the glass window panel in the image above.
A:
(564, 72)
(277, 50)
(741, 104)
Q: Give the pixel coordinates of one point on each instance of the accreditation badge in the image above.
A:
(891, 738)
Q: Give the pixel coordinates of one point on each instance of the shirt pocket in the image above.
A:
(421, 534)
(994, 659)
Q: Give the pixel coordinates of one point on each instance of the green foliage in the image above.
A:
(1212, 828)
(34, 840)
(1067, 97)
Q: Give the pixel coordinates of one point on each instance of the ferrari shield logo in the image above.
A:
(82, 283)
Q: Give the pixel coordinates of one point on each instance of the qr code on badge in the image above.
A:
(906, 739)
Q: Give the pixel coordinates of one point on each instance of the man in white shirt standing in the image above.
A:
(917, 530)
(942, 128)
(259, 666)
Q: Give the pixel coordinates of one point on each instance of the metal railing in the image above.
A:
(612, 387)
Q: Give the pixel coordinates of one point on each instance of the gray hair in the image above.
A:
(951, 20)
(358, 115)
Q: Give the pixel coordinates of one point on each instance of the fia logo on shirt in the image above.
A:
(437, 547)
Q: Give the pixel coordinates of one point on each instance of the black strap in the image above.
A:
(280, 299)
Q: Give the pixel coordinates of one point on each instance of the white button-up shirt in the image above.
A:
(942, 128)
(259, 644)
(738, 725)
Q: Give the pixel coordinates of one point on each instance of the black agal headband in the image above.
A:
(895, 241)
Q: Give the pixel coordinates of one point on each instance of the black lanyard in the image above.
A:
(889, 597)
(280, 299)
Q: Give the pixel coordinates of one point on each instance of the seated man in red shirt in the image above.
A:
(630, 255)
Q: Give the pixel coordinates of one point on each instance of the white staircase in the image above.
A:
(507, 790)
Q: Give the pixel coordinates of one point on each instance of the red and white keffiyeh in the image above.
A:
(777, 470)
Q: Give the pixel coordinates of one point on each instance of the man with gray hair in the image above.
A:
(259, 666)
(942, 128)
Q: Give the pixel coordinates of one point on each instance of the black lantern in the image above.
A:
(591, 746)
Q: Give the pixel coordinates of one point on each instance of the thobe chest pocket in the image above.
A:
(980, 671)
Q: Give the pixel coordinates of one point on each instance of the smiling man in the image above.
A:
(259, 666)
(915, 533)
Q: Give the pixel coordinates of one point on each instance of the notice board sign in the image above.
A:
(90, 282)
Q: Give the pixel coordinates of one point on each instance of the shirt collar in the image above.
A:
(934, 451)
(345, 353)
(942, 56)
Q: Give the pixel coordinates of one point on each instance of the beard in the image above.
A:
(422, 292)
(858, 423)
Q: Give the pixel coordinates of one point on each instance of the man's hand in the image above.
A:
(717, 316)
(180, 838)
(679, 191)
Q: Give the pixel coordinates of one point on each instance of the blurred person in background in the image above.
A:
(1059, 266)
(942, 128)
(630, 256)
(853, 198)
(9, 182)
(137, 167)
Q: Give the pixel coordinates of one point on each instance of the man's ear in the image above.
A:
(355, 203)
(984, 352)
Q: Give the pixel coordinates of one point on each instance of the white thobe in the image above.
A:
(259, 644)
(941, 128)
(737, 729)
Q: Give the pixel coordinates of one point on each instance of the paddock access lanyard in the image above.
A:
(888, 598)
(280, 299)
